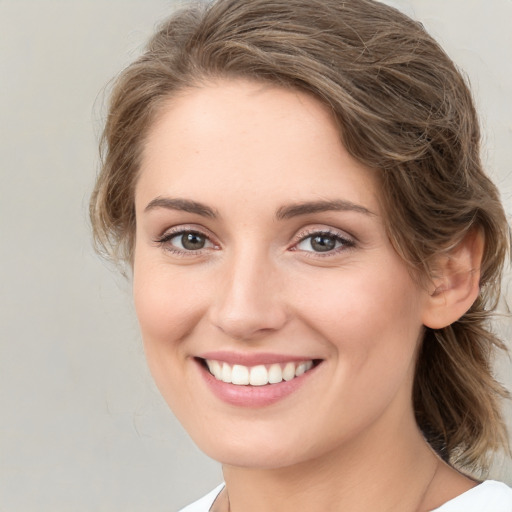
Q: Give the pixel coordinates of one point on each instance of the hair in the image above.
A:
(402, 107)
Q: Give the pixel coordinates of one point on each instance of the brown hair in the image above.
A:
(402, 107)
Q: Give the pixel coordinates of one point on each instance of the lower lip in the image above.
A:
(253, 396)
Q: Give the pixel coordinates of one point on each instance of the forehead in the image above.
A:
(242, 137)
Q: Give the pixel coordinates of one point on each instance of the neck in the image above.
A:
(382, 471)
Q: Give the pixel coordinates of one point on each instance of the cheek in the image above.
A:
(362, 299)
(165, 318)
(371, 319)
(166, 315)
(156, 310)
(372, 325)
(164, 303)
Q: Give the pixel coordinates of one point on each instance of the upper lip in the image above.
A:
(252, 359)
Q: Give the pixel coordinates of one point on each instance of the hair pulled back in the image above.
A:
(402, 107)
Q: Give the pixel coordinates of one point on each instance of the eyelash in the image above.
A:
(164, 241)
(346, 243)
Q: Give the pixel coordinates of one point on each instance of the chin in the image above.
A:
(255, 451)
(254, 457)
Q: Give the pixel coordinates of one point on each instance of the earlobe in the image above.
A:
(456, 284)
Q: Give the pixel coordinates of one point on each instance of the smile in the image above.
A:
(259, 375)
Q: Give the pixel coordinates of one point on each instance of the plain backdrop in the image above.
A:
(82, 426)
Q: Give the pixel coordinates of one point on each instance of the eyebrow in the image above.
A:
(184, 205)
(295, 210)
(283, 213)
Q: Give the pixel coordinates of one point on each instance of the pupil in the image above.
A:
(192, 241)
(323, 243)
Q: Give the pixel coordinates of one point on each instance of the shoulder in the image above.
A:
(204, 504)
(489, 496)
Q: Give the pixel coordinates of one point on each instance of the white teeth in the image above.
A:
(289, 371)
(215, 369)
(259, 375)
(301, 368)
(275, 374)
(240, 375)
(226, 373)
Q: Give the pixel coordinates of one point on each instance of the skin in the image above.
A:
(347, 438)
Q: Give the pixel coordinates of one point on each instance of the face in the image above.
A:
(277, 320)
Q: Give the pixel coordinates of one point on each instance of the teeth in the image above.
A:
(215, 369)
(301, 368)
(289, 371)
(225, 376)
(240, 375)
(275, 374)
(259, 375)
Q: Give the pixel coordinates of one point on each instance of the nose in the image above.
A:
(249, 301)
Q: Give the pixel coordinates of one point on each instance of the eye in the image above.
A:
(185, 241)
(323, 242)
(189, 241)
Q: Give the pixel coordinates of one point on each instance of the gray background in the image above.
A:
(82, 426)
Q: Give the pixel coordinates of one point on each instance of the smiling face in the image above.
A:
(261, 252)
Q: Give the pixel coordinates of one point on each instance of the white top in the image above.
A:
(204, 504)
(489, 496)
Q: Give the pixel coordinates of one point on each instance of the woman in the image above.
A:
(315, 251)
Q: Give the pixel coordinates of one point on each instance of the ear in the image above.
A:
(456, 284)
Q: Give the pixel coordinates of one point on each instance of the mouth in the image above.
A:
(258, 375)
